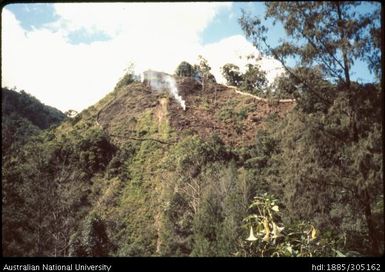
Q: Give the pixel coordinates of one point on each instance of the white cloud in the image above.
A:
(185, 20)
(234, 50)
(56, 72)
(44, 63)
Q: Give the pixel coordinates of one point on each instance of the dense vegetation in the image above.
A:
(22, 116)
(310, 184)
(253, 80)
(200, 72)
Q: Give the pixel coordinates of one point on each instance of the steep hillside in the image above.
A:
(220, 110)
(23, 116)
(118, 154)
(137, 175)
(217, 110)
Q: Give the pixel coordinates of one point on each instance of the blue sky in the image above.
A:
(33, 15)
(86, 47)
(224, 25)
(37, 15)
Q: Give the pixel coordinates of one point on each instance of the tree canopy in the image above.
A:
(329, 35)
(232, 74)
(325, 39)
(184, 69)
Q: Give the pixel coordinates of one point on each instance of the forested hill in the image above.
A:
(136, 175)
(23, 115)
(178, 165)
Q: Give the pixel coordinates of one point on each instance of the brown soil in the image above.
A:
(234, 117)
(119, 117)
(203, 113)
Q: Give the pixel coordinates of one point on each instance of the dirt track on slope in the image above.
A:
(206, 113)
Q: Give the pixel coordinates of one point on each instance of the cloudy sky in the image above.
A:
(70, 55)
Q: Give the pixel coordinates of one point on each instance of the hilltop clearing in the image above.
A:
(220, 110)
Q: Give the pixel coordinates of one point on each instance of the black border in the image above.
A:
(192, 263)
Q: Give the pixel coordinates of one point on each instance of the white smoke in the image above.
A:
(160, 81)
(174, 91)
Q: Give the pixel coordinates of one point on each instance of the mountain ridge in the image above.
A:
(23, 116)
(206, 112)
(137, 175)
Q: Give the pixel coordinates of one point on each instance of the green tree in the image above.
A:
(331, 34)
(234, 210)
(328, 177)
(184, 69)
(95, 238)
(22, 117)
(232, 74)
(269, 236)
(206, 225)
(319, 99)
(92, 240)
(27, 187)
(254, 79)
(204, 69)
(326, 39)
(128, 76)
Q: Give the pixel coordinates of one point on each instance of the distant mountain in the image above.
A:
(23, 115)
